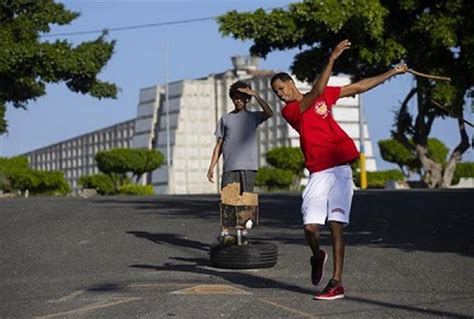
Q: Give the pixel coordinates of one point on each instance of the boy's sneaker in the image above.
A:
(317, 267)
(333, 290)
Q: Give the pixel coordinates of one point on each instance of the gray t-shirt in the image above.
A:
(239, 133)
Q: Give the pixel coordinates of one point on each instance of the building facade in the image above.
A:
(76, 156)
(179, 120)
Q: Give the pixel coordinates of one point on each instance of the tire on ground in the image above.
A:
(252, 255)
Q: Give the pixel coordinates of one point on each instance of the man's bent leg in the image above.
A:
(319, 256)
(338, 247)
(311, 232)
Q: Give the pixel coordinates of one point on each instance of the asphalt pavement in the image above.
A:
(409, 254)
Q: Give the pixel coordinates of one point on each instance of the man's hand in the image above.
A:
(247, 91)
(341, 47)
(210, 175)
(401, 68)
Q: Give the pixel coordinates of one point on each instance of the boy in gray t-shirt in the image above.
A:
(237, 140)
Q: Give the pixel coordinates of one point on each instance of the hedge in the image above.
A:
(134, 189)
(378, 179)
(463, 169)
(274, 178)
(102, 183)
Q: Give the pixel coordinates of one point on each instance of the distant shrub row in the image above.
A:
(16, 176)
(107, 185)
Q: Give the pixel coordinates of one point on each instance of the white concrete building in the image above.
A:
(179, 119)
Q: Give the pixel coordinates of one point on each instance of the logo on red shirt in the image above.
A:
(322, 109)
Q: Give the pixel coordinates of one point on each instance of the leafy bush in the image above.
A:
(50, 182)
(287, 158)
(395, 152)
(378, 179)
(465, 169)
(274, 178)
(15, 175)
(102, 183)
(134, 189)
(13, 162)
(124, 160)
(437, 150)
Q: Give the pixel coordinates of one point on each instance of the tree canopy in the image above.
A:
(394, 152)
(286, 170)
(126, 160)
(28, 62)
(435, 37)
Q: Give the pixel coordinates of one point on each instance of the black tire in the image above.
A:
(250, 256)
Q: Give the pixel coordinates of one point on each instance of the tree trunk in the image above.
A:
(432, 171)
(456, 155)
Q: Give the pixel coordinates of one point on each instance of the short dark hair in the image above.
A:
(234, 93)
(282, 76)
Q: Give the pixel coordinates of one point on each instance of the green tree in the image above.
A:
(28, 62)
(395, 152)
(274, 178)
(104, 184)
(121, 161)
(289, 158)
(16, 175)
(464, 169)
(431, 36)
(287, 164)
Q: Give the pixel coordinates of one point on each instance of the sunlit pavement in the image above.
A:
(409, 254)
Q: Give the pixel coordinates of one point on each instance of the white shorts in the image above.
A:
(328, 196)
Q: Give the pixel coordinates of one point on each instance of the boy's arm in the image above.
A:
(369, 83)
(214, 159)
(322, 81)
(267, 110)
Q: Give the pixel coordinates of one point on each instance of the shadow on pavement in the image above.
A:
(201, 266)
(172, 239)
(424, 220)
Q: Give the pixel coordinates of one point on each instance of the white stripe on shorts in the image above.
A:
(328, 196)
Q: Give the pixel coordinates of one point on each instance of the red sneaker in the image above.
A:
(333, 290)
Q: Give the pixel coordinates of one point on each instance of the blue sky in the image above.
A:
(194, 50)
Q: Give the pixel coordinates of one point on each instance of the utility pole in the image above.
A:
(216, 121)
(167, 109)
(363, 173)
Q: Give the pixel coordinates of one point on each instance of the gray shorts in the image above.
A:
(245, 178)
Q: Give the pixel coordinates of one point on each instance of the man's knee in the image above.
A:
(311, 229)
(335, 226)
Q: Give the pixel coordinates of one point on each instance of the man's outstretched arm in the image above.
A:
(369, 83)
(322, 81)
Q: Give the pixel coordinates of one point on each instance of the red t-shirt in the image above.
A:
(323, 142)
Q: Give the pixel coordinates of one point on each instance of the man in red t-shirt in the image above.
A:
(328, 151)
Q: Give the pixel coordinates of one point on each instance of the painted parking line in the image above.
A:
(98, 305)
(292, 310)
(69, 297)
(212, 290)
(158, 285)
